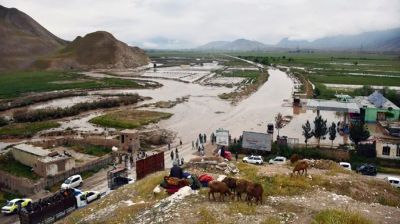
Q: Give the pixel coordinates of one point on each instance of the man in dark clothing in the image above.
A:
(172, 155)
(176, 171)
(180, 142)
(176, 150)
(236, 155)
(169, 146)
(205, 138)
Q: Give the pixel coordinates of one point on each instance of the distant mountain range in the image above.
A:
(237, 45)
(386, 40)
(24, 43)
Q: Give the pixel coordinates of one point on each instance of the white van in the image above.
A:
(394, 181)
(345, 165)
(72, 182)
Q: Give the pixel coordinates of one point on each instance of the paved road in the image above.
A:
(383, 175)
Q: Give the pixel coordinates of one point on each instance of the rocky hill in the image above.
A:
(97, 50)
(327, 194)
(23, 40)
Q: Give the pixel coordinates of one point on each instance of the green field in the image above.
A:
(21, 130)
(14, 84)
(355, 80)
(129, 118)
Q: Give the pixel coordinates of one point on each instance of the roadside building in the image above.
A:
(388, 149)
(129, 140)
(43, 162)
(376, 107)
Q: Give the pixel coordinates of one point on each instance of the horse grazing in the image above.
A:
(241, 186)
(301, 166)
(231, 183)
(220, 187)
(254, 190)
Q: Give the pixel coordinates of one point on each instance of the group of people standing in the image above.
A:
(175, 156)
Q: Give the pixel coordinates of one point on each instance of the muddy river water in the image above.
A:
(205, 111)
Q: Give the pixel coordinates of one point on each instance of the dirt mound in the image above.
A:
(23, 40)
(97, 50)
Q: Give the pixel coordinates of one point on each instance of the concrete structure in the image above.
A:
(388, 149)
(43, 162)
(52, 165)
(376, 107)
(129, 140)
(28, 154)
(332, 105)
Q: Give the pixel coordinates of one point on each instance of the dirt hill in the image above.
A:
(23, 40)
(327, 194)
(97, 50)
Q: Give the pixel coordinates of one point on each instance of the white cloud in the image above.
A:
(194, 22)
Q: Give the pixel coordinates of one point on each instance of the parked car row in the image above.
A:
(259, 160)
(72, 182)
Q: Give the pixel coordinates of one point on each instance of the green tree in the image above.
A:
(278, 122)
(307, 132)
(358, 133)
(320, 128)
(332, 133)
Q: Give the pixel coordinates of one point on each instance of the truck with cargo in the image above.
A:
(53, 208)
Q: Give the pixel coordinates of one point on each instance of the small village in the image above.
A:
(207, 112)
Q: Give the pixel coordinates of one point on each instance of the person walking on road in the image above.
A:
(205, 138)
(180, 142)
(236, 156)
(197, 143)
(176, 150)
(169, 146)
(172, 155)
(192, 145)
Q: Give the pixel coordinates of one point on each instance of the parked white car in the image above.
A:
(278, 160)
(253, 159)
(92, 196)
(72, 182)
(345, 165)
(394, 181)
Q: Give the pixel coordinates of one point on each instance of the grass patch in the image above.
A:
(94, 150)
(241, 207)
(14, 84)
(271, 220)
(12, 166)
(382, 169)
(129, 119)
(334, 216)
(206, 217)
(355, 80)
(22, 130)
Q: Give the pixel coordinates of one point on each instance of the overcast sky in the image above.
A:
(188, 23)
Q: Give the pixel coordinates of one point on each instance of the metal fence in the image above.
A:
(150, 165)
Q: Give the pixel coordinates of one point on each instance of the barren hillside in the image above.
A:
(327, 192)
(23, 40)
(97, 50)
